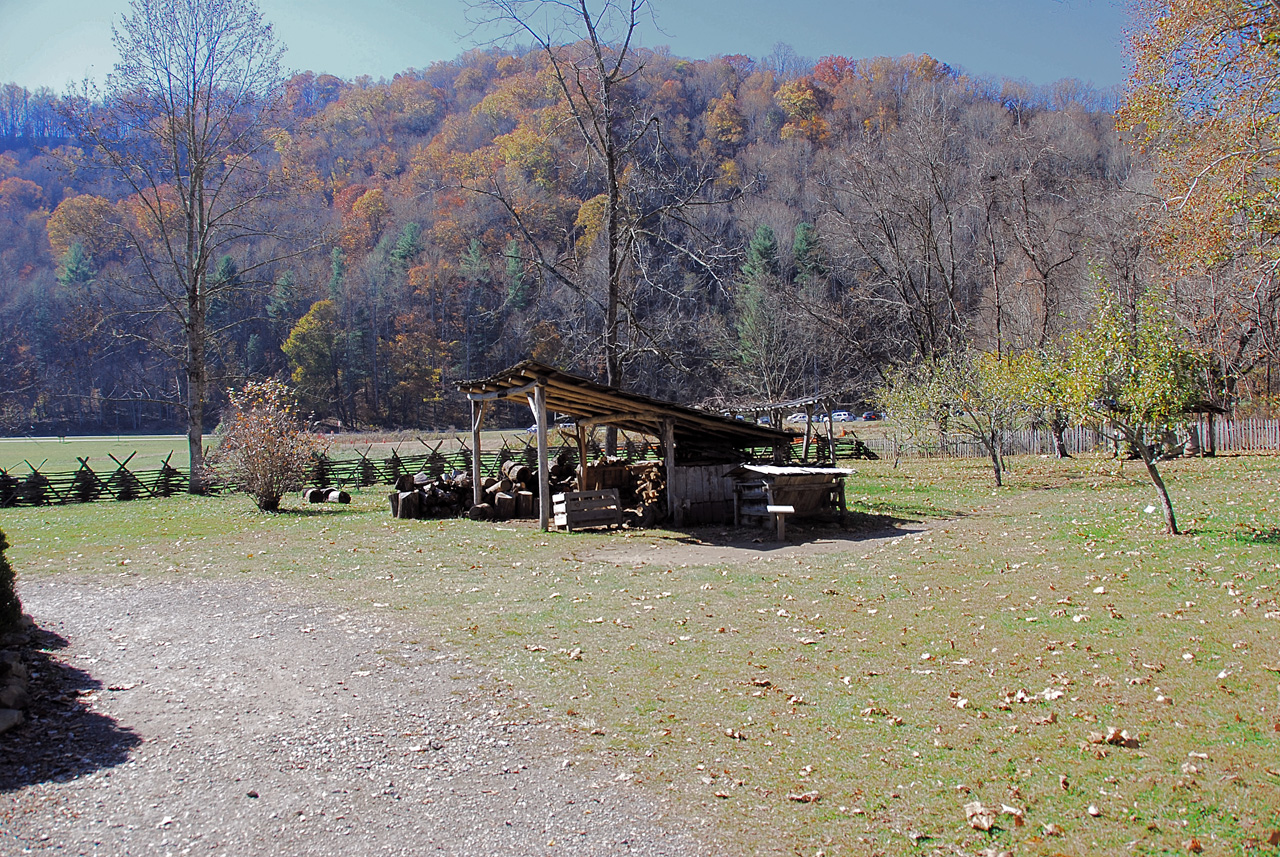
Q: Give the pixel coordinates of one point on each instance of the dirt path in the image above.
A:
(238, 718)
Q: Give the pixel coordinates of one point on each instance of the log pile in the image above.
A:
(420, 496)
(649, 485)
(514, 494)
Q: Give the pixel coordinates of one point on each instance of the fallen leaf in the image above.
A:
(979, 817)
(1094, 811)
(1193, 845)
(1053, 830)
(1274, 838)
(805, 797)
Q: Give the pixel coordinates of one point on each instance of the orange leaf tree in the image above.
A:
(263, 448)
(1203, 97)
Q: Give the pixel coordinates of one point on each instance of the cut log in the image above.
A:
(315, 495)
(519, 472)
(410, 505)
(525, 505)
(481, 512)
(504, 505)
(337, 495)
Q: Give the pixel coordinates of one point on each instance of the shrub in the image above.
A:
(263, 448)
(10, 606)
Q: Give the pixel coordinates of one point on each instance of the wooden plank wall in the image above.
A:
(706, 493)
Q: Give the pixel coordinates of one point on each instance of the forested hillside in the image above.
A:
(781, 227)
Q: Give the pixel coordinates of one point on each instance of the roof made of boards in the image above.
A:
(591, 404)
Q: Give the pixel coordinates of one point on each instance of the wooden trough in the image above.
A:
(770, 493)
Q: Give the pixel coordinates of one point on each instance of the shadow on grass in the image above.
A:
(1258, 536)
(856, 526)
(62, 738)
(312, 511)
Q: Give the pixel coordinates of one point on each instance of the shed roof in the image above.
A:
(598, 404)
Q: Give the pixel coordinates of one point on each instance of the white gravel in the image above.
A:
(200, 717)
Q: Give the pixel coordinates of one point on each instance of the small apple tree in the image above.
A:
(1131, 371)
(968, 394)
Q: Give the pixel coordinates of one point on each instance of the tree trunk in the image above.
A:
(1166, 504)
(1058, 426)
(992, 442)
(197, 388)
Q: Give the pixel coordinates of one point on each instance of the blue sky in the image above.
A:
(55, 42)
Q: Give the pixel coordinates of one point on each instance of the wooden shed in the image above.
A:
(701, 448)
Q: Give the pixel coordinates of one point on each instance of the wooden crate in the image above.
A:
(577, 509)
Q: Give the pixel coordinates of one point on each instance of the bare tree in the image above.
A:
(903, 223)
(185, 123)
(642, 216)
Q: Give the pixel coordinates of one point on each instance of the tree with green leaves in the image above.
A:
(10, 606)
(314, 350)
(1136, 374)
(769, 348)
(970, 394)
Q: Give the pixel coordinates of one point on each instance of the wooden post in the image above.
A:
(808, 432)
(673, 501)
(477, 417)
(544, 469)
(582, 457)
(831, 430)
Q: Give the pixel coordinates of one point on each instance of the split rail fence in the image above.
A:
(119, 482)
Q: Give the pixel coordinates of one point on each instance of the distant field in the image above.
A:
(54, 455)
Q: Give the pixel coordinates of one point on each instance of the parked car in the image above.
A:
(868, 416)
(841, 417)
(797, 418)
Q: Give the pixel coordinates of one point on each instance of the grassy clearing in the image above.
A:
(966, 655)
(57, 455)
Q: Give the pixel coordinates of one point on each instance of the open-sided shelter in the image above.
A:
(701, 448)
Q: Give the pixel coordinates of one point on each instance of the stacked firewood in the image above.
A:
(514, 493)
(420, 496)
(649, 479)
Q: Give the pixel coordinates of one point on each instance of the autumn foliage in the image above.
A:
(263, 447)
(467, 222)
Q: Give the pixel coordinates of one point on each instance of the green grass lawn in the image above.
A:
(58, 455)
(850, 702)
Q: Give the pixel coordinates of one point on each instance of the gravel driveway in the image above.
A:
(201, 717)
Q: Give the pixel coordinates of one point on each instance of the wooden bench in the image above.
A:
(576, 509)
(780, 516)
